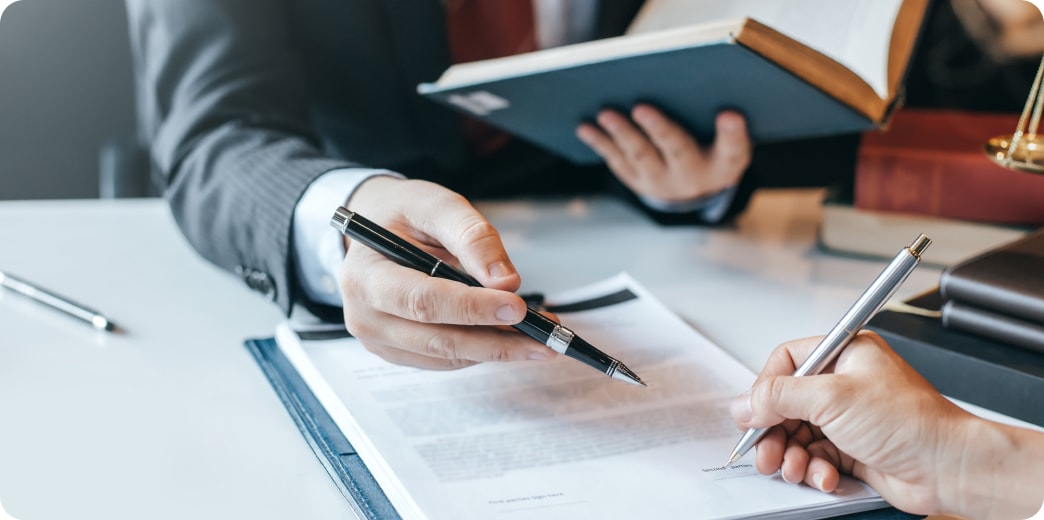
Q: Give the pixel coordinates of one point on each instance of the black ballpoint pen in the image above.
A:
(535, 325)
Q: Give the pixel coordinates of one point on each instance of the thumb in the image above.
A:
(815, 399)
(731, 154)
(472, 239)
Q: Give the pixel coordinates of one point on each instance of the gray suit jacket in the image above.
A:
(245, 102)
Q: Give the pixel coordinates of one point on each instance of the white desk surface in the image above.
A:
(174, 419)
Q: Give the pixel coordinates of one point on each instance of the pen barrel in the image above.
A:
(58, 303)
(448, 272)
(537, 326)
(587, 354)
(881, 290)
(401, 251)
(873, 298)
(564, 341)
(825, 352)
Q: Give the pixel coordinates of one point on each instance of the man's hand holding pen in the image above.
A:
(410, 318)
(417, 298)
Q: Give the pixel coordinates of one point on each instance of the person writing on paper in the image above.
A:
(263, 116)
(875, 418)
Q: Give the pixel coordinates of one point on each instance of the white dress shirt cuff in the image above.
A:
(318, 248)
(711, 207)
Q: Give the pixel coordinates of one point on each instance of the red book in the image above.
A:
(931, 162)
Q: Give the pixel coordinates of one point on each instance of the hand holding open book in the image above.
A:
(795, 69)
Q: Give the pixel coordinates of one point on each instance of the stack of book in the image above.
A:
(980, 336)
(928, 173)
(999, 294)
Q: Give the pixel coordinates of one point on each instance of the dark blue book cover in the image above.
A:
(690, 83)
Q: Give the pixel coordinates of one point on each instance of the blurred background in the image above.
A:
(67, 119)
(66, 98)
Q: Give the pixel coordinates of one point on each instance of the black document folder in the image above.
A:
(983, 372)
(338, 456)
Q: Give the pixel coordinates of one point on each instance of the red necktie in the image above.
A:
(484, 29)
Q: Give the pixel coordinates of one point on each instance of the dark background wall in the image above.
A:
(66, 87)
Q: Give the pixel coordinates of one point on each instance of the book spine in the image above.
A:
(948, 184)
(1006, 300)
(961, 316)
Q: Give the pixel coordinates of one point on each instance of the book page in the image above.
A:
(559, 439)
(855, 33)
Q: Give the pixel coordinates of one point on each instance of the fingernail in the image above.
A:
(817, 480)
(730, 124)
(500, 270)
(740, 407)
(784, 475)
(541, 355)
(510, 314)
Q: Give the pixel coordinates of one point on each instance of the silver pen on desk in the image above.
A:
(871, 301)
(56, 302)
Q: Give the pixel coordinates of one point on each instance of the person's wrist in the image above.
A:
(961, 486)
(993, 475)
(364, 192)
(1015, 473)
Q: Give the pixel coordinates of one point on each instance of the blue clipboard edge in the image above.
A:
(335, 453)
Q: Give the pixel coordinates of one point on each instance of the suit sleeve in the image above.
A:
(223, 108)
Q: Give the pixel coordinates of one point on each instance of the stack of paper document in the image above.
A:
(557, 439)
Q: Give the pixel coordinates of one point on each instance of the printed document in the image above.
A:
(559, 440)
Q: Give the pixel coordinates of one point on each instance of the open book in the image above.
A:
(557, 439)
(798, 68)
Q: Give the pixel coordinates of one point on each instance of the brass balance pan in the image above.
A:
(1027, 157)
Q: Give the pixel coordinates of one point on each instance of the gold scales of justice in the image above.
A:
(1024, 149)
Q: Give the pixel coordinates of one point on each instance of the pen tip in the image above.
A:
(102, 323)
(732, 459)
(625, 374)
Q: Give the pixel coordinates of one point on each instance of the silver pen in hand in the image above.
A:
(58, 303)
(873, 298)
